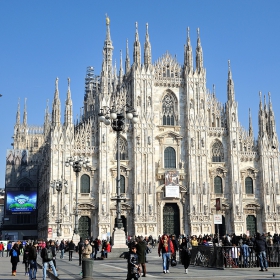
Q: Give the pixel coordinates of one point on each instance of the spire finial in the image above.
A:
(68, 79)
(213, 89)
(56, 84)
(188, 32)
(228, 65)
(147, 27)
(269, 96)
(198, 36)
(107, 19)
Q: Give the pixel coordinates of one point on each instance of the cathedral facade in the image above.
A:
(187, 166)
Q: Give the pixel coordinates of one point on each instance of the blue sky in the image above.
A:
(42, 40)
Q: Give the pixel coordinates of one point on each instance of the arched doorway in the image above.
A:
(251, 224)
(85, 227)
(171, 219)
(221, 228)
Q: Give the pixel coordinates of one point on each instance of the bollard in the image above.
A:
(87, 268)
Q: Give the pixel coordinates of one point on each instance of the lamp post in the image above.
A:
(77, 163)
(58, 184)
(110, 116)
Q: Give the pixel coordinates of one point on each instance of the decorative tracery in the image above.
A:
(169, 109)
(217, 152)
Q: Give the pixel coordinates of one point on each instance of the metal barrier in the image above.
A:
(232, 257)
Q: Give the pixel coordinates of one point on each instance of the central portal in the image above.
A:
(171, 219)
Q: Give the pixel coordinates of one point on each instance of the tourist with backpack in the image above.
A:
(47, 258)
(14, 254)
(9, 247)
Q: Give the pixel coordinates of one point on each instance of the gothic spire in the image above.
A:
(68, 115)
(127, 60)
(47, 118)
(230, 85)
(121, 69)
(25, 113)
(271, 117)
(199, 54)
(18, 114)
(147, 50)
(188, 57)
(137, 48)
(250, 124)
(56, 106)
(107, 52)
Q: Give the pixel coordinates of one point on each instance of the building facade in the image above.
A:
(186, 160)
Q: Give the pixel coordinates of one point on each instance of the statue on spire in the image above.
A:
(107, 20)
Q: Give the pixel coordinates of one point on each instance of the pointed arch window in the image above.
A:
(169, 107)
(36, 143)
(123, 149)
(169, 158)
(217, 152)
(85, 184)
(249, 185)
(218, 185)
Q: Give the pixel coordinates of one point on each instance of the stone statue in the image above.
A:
(66, 209)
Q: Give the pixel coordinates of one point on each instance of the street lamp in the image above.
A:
(77, 163)
(58, 184)
(117, 123)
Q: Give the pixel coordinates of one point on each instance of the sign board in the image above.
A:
(218, 220)
(172, 184)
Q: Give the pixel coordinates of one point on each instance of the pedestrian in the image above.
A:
(86, 251)
(80, 249)
(2, 249)
(33, 261)
(165, 248)
(107, 249)
(235, 253)
(47, 258)
(141, 247)
(25, 260)
(185, 252)
(96, 247)
(133, 266)
(9, 247)
(175, 245)
(260, 247)
(62, 248)
(71, 249)
(14, 254)
(53, 248)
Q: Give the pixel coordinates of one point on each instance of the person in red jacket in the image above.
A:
(107, 249)
(166, 249)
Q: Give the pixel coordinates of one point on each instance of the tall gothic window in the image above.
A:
(123, 149)
(36, 144)
(218, 185)
(169, 105)
(217, 152)
(85, 184)
(122, 184)
(249, 185)
(169, 158)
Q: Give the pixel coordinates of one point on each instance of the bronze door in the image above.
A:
(84, 227)
(251, 222)
(171, 219)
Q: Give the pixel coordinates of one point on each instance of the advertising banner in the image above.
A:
(172, 184)
(21, 202)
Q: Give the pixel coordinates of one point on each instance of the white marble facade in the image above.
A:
(215, 156)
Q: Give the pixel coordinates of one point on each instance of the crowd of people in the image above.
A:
(170, 248)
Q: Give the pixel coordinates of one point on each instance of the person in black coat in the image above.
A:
(141, 252)
(80, 250)
(260, 247)
(185, 252)
(71, 249)
(14, 254)
(133, 266)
